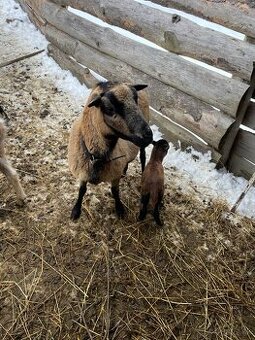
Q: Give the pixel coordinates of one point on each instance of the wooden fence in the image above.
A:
(193, 101)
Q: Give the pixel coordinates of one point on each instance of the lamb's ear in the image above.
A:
(95, 102)
(139, 87)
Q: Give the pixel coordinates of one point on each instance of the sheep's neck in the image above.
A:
(157, 156)
(99, 153)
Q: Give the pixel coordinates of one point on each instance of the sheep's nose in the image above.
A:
(147, 134)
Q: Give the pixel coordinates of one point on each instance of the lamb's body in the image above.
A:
(152, 185)
(153, 182)
(7, 169)
(102, 139)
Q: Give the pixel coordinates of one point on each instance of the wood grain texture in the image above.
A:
(249, 119)
(82, 73)
(241, 166)
(181, 36)
(235, 16)
(245, 145)
(169, 68)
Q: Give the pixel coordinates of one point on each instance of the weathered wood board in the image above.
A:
(238, 16)
(176, 34)
(241, 166)
(249, 119)
(67, 63)
(210, 87)
(245, 145)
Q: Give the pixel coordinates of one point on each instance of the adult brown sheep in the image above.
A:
(107, 136)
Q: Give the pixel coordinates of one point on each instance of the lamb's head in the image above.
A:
(121, 112)
(160, 149)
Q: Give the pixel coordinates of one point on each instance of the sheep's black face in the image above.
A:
(122, 114)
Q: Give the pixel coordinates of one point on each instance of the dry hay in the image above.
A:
(102, 278)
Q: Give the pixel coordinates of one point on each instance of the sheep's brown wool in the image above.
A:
(152, 187)
(107, 136)
(7, 169)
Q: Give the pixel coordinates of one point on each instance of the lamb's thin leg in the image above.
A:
(142, 158)
(76, 211)
(12, 177)
(144, 203)
(156, 212)
(120, 210)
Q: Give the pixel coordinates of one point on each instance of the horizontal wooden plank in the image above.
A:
(249, 119)
(200, 118)
(233, 15)
(181, 36)
(82, 73)
(245, 145)
(241, 166)
(208, 86)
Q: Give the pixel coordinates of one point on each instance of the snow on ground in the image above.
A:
(193, 168)
(13, 18)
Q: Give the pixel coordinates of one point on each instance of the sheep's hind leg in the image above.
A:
(119, 207)
(144, 202)
(156, 212)
(142, 158)
(13, 179)
(76, 211)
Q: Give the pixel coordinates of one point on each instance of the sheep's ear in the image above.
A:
(95, 102)
(139, 87)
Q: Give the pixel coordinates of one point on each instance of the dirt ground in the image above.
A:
(101, 278)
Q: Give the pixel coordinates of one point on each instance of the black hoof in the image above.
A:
(159, 222)
(141, 216)
(120, 210)
(76, 213)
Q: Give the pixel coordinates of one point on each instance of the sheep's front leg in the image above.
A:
(142, 158)
(120, 210)
(13, 179)
(76, 211)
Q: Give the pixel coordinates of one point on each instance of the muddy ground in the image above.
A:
(101, 278)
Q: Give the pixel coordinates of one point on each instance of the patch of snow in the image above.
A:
(16, 22)
(14, 19)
